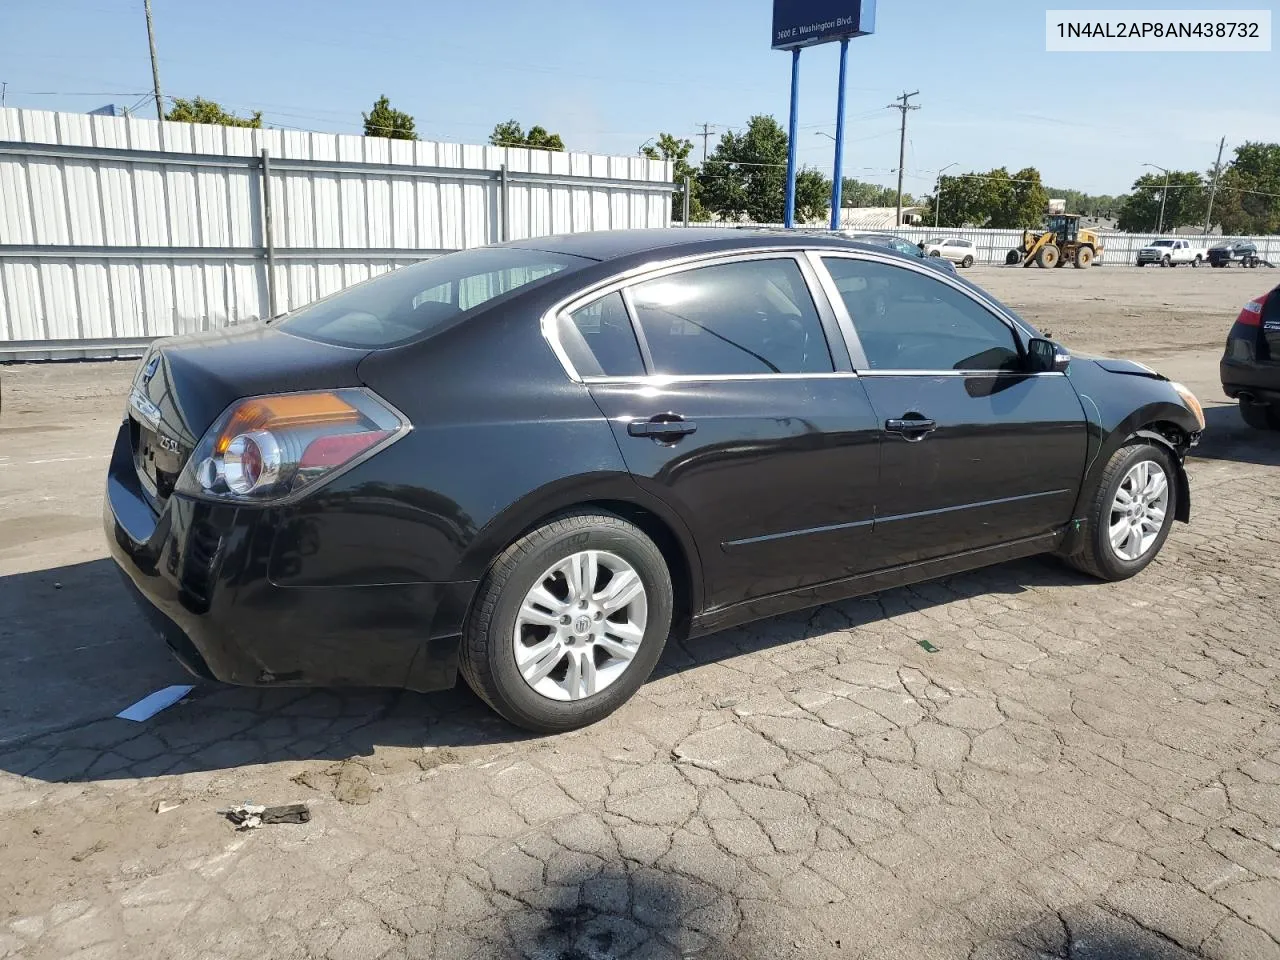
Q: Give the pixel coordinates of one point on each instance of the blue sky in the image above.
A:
(608, 75)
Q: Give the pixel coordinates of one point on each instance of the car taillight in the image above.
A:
(1251, 315)
(265, 449)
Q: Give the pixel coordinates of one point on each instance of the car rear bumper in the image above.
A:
(200, 573)
(1253, 380)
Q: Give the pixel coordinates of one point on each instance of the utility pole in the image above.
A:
(900, 103)
(706, 132)
(155, 68)
(1213, 190)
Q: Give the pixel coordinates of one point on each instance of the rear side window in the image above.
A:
(749, 317)
(415, 300)
(600, 340)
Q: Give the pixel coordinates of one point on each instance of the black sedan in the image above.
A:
(1243, 252)
(534, 462)
(1251, 362)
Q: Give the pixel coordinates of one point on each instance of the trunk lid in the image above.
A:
(184, 383)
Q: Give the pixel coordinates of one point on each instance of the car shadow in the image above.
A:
(1228, 437)
(74, 651)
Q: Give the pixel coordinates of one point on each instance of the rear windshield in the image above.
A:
(412, 301)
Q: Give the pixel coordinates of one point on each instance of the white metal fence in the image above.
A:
(1119, 249)
(115, 231)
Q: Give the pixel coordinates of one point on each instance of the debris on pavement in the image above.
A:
(348, 779)
(164, 806)
(153, 703)
(928, 647)
(250, 816)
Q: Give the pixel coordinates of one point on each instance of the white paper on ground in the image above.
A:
(150, 705)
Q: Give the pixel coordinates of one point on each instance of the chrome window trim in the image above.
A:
(1020, 374)
(652, 271)
(665, 379)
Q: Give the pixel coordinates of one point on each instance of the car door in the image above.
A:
(742, 414)
(977, 451)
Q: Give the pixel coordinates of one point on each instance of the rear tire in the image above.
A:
(1196, 262)
(1084, 257)
(1047, 256)
(967, 262)
(490, 638)
(1260, 416)
(1098, 557)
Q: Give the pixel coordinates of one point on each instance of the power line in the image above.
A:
(901, 103)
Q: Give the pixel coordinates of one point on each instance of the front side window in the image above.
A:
(413, 301)
(748, 317)
(909, 321)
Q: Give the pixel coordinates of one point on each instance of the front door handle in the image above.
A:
(666, 428)
(911, 427)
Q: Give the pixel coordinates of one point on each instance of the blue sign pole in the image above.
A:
(789, 215)
(837, 177)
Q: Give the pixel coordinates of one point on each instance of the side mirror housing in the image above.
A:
(1046, 356)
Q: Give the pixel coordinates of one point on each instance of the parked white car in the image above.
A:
(963, 252)
(1170, 253)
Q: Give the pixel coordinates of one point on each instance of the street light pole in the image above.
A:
(937, 200)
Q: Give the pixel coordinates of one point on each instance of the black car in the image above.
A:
(906, 248)
(1243, 252)
(1250, 366)
(533, 462)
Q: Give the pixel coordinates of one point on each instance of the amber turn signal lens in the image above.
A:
(285, 411)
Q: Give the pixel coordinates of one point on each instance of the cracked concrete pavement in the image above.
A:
(1079, 771)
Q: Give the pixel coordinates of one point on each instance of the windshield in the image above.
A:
(414, 300)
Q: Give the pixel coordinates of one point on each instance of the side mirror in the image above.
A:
(1047, 356)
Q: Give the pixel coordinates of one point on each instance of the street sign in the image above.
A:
(804, 23)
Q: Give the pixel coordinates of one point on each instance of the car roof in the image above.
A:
(673, 242)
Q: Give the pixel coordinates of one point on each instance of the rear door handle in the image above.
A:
(911, 428)
(665, 428)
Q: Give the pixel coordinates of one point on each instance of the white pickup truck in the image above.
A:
(1170, 253)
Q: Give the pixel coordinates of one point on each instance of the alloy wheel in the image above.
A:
(1138, 510)
(580, 625)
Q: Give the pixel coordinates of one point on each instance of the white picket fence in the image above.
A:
(115, 231)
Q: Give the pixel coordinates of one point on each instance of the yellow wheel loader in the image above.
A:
(1063, 241)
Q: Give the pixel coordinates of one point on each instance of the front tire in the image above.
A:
(1165, 261)
(1130, 513)
(1047, 256)
(568, 623)
(1260, 416)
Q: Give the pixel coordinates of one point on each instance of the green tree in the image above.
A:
(813, 195)
(746, 177)
(1102, 205)
(1185, 205)
(995, 199)
(1027, 203)
(857, 193)
(1242, 204)
(509, 133)
(201, 110)
(677, 150)
(386, 121)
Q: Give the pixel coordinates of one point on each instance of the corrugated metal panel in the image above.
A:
(167, 237)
